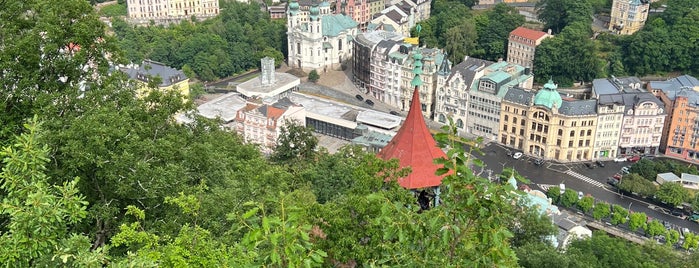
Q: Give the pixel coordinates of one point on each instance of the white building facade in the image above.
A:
(146, 10)
(318, 40)
(453, 90)
(642, 125)
(610, 115)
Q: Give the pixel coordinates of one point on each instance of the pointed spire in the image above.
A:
(444, 68)
(414, 147)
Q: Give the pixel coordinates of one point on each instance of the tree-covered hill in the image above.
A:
(93, 176)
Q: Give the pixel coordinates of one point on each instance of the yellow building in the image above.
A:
(149, 71)
(628, 16)
(543, 124)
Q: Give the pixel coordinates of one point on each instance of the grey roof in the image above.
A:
(284, 103)
(519, 95)
(151, 68)
(404, 6)
(679, 86)
(578, 107)
(565, 223)
(629, 100)
(372, 38)
(469, 67)
(615, 85)
(394, 16)
(445, 66)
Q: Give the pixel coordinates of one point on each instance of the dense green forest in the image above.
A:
(231, 43)
(666, 44)
(93, 176)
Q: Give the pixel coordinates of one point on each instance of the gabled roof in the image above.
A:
(468, 68)
(414, 147)
(333, 25)
(528, 33)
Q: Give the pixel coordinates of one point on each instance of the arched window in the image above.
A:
(459, 123)
(442, 118)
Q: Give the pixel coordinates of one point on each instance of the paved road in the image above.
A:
(577, 177)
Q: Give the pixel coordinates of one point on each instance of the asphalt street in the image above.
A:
(575, 176)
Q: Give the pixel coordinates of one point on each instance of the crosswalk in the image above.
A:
(584, 178)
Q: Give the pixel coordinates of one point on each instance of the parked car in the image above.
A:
(620, 159)
(538, 161)
(359, 97)
(509, 153)
(600, 163)
(624, 170)
(517, 155)
(634, 158)
(648, 157)
(612, 181)
(580, 195)
(393, 113)
(617, 176)
(676, 212)
(590, 165)
(371, 103)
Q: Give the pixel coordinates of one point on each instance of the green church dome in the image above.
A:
(548, 96)
(294, 5)
(315, 11)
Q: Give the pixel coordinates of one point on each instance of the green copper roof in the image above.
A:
(548, 96)
(417, 68)
(333, 25)
(416, 81)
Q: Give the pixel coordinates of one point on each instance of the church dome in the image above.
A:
(548, 96)
(315, 11)
(294, 5)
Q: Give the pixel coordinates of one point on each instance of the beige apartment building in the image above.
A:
(167, 10)
(628, 16)
(545, 125)
(521, 46)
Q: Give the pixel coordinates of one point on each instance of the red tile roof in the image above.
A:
(528, 33)
(414, 147)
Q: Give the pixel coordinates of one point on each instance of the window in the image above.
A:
(589, 132)
(572, 133)
(507, 118)
(560, 132)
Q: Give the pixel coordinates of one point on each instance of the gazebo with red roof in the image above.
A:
(413, 145)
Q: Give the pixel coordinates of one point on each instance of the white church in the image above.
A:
(318, 40)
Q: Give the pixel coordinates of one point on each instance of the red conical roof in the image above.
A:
(414, 146)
